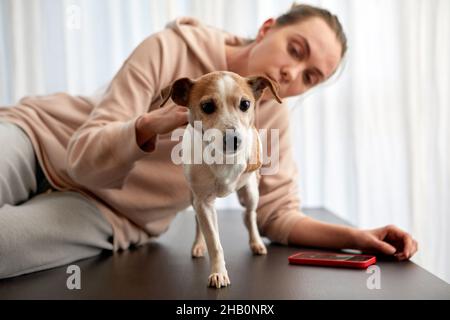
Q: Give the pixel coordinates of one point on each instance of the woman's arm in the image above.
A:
(389, 240)
(119, 130)
(312, 233)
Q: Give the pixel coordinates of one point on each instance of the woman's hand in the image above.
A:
(389, 240)
(159, 121)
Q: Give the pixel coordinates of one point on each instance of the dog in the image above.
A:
(222, 102)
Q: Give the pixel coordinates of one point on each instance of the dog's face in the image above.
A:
(223, 101)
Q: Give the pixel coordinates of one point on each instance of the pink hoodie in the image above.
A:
(89, 145)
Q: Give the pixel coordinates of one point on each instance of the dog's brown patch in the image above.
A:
(254, 161)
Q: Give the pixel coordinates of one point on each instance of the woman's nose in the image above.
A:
(291, 73)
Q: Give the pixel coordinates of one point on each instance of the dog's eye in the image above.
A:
(208, 107)
(245, 104)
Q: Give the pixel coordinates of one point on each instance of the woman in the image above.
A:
(85, 175)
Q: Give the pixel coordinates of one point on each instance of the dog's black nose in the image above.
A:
(231, 141)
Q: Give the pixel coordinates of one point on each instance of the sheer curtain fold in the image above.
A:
(372, 146)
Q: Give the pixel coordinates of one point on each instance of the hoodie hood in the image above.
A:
(202, 39)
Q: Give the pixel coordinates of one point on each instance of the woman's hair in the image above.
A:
(302, 12)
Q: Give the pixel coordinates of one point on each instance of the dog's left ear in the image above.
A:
(259, 83)
(179, 91)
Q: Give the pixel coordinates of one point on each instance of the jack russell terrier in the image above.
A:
(224, 103)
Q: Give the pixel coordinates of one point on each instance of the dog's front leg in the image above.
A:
(207, 218)
(249, 196)
(199, 246)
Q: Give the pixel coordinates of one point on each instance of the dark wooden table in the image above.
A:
(164, 269)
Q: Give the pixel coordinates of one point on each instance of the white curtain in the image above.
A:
(374, 145)
(371, 145)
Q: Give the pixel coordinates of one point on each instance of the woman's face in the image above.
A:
(298, 56)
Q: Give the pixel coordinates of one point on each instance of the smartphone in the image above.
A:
(359, 261)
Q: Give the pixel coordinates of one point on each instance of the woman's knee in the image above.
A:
(40, 234)
(17, 165)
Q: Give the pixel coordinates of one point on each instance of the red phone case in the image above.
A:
(359, 261)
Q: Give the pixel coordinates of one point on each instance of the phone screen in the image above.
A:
(335, 257)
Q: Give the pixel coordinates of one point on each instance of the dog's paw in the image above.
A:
(198, 250)
(218, 280)
(258, 248)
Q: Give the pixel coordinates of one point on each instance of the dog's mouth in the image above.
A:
(228, 144)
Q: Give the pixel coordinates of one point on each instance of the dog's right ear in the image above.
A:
(179, 91)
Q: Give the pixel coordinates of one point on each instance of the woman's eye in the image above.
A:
(208, 107)
(296, 53)
(307, 79)
(244, 105)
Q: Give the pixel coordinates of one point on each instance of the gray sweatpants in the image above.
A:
(41, 228)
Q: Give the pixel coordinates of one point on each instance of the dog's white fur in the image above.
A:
(209, 181)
